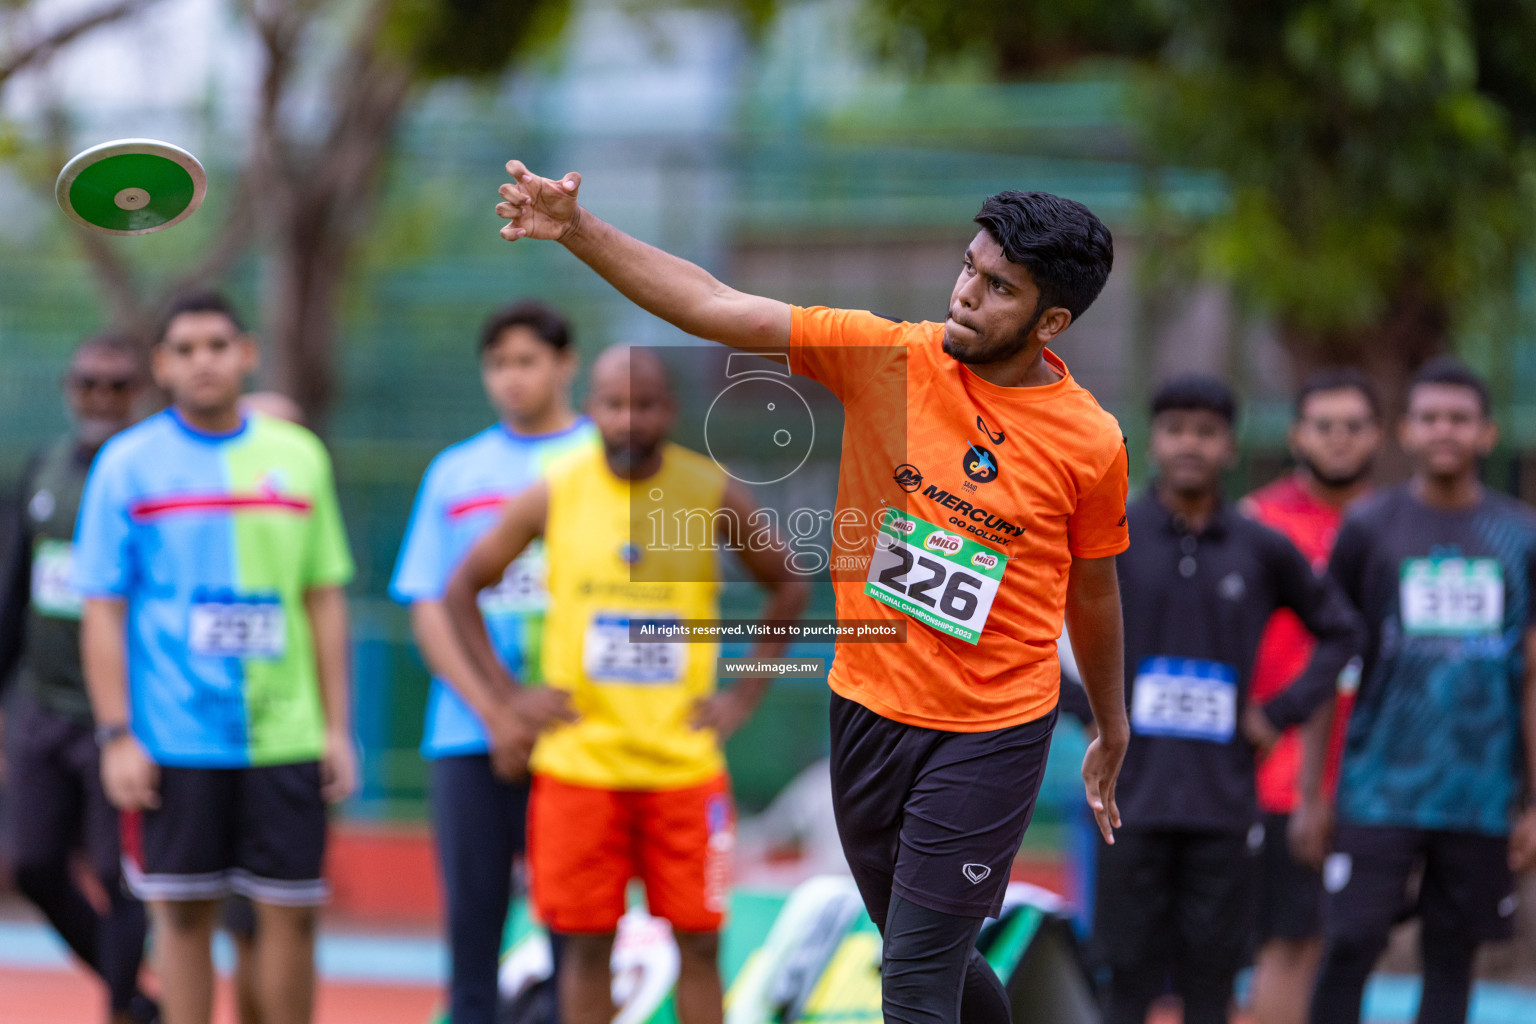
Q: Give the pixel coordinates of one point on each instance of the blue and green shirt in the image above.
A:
(1434, 740)
(212, 541)
(459, 499)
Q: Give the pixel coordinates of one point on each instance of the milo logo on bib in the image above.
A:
(947, 543)
(941, 579)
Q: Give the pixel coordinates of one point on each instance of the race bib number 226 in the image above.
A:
(939, 578)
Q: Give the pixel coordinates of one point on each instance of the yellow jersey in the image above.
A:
(620, 551)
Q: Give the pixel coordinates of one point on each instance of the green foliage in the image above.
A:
(1365, 155)
(1377, 152)
(473, 38)
(1021, 37)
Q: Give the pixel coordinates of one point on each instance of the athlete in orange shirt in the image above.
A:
(981, 500)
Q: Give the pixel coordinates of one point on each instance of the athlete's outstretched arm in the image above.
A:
(679, 292)
(130, 778)
(327, 611)
(510, 712)
(788, 593)
(1098, 641)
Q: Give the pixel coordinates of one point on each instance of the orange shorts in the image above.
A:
(585, 844)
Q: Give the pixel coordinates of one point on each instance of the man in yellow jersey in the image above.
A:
(628, 777)
(981, 500)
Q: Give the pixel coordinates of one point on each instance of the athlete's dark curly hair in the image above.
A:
(1066, 249)
(1446, 370)
(1195, 391)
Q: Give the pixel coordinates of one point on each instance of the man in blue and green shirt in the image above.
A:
(211, 558)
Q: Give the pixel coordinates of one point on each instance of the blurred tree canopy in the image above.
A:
(334, 79)
(1380, 154)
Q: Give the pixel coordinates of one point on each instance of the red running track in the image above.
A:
(71, 997)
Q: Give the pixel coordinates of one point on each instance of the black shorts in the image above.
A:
(1176, 897)
(935, 817)
(259, 832)
(1290, 893)
(1456, 882)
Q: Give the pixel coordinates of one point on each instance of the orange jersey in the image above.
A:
(992, 492)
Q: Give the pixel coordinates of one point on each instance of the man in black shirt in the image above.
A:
(1200, 581)
(53, 778)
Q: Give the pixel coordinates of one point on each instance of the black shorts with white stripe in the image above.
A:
(259, 832)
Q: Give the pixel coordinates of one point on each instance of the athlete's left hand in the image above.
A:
(1522, 842)
(1258, 729)
(338, 768)
(1101, 770)
(724, 712)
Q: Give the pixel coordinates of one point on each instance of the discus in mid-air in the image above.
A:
(131, 187)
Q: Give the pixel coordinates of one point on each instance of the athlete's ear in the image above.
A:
(1051, 323)
(250, 354)
(159, 365)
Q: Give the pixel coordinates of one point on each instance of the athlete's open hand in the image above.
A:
(538, 207)
(338, 767)
(1522, 842)
(1101, 770)
(131, 779)
(542, 706)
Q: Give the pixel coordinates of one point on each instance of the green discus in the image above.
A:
(131, 187)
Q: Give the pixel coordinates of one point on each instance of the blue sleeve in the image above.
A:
(422, 570)
(103, 559)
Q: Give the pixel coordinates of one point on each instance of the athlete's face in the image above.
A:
(102, 387)
(1445, 430)
(1191, 448)
(524, 375)
(632, 407)
(203, 362)
(1336, 437)
(993, 314)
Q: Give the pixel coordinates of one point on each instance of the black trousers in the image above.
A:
(1174, 904)
(480, 824)
(58, 806)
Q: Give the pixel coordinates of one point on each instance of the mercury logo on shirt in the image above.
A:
(983, 518)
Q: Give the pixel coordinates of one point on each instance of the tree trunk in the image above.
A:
(321, 200)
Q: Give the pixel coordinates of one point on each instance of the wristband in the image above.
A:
(106, 734)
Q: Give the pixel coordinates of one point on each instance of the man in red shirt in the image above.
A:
(1334, 438)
